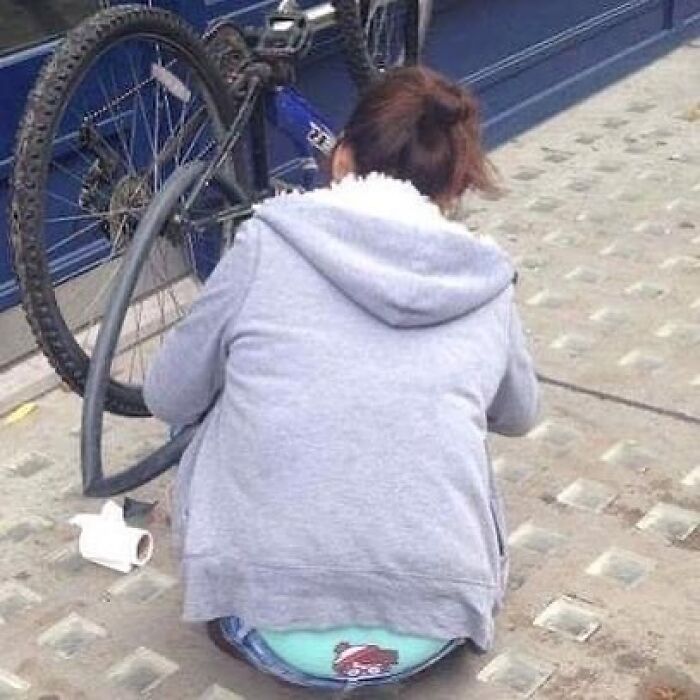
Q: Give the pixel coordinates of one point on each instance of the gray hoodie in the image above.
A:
(350, 352)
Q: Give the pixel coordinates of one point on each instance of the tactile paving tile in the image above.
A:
(587, 495)
(142, 671)
(536, 539)
(16, 598)
(630, 454)
(569, 619)
(671, 521)
(520, 673)
(623, 567)
(71, 635)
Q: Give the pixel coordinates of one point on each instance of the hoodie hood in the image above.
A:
(390, 250)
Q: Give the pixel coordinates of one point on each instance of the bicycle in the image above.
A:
(152, 142)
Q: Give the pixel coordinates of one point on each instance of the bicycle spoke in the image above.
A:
(184, 110)
(156, 137)
(60, 198)
(142, 109)
(72, 237)
(193, 142)
(66, 172)
(136, 345)
(127, 163)
(99, 214)
(166, 94)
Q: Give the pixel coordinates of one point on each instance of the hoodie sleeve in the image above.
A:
(188, 371)
(514, 408)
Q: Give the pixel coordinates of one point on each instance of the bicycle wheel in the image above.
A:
(128, 97)
(381, 34)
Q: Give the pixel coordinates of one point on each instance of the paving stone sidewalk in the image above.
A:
(602, 212)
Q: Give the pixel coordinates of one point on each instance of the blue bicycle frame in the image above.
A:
(312, 136)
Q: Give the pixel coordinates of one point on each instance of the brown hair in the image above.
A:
(414, 124)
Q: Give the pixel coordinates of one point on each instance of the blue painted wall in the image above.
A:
(526, 60)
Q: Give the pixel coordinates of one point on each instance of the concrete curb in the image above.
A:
(26, 381)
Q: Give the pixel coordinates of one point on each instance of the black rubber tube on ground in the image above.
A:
(94, 481)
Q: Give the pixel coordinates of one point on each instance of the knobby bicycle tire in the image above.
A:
(46, 103)
(360, 63)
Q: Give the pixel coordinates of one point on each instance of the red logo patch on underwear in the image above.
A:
(363, 660)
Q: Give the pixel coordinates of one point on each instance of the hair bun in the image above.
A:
(444, 110)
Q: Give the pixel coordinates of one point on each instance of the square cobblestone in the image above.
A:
(15, 598)
(621, 566)
(142, 671)
(587, 495)
(12, 686)
(521, 673)
(569, 619)
(536, 539)
(29, 464)
(69, 636)
(671, 521)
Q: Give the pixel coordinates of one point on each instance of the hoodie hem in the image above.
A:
(280, 598)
